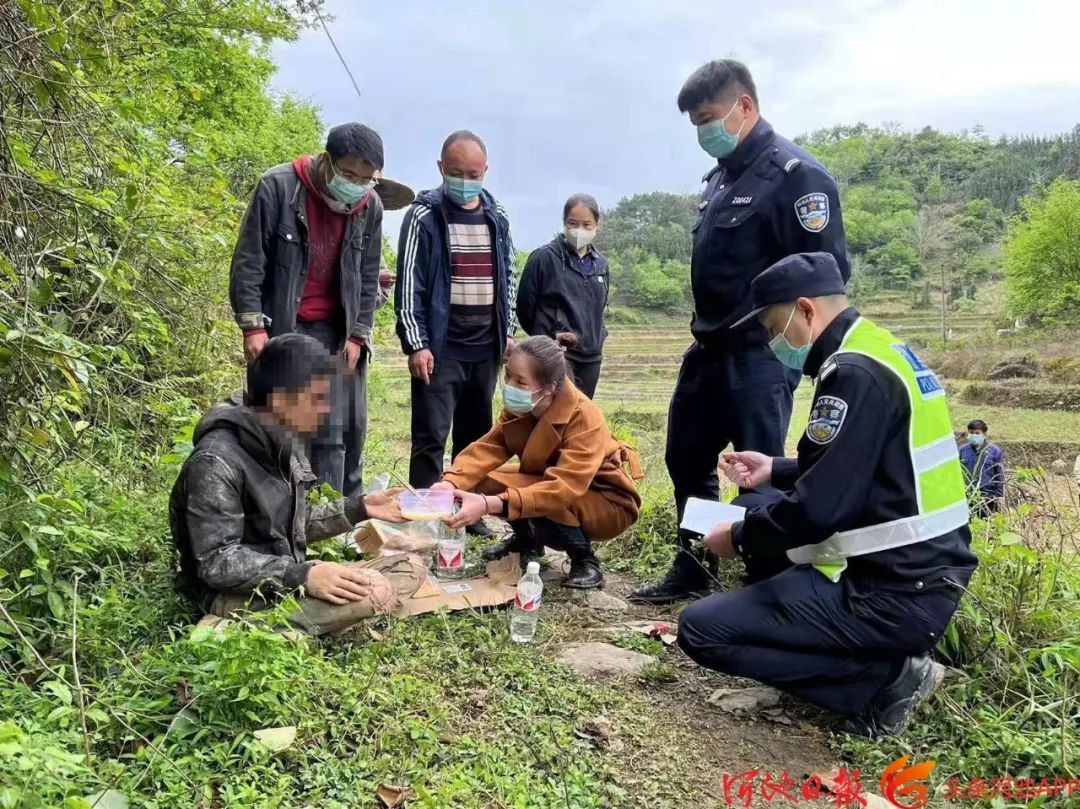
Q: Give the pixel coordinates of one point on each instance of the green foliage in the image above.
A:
(1042, 256)
(130, 135)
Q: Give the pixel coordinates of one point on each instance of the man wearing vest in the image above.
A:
(871, 515)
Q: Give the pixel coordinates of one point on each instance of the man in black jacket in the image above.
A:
(240, 514)
(307, 260)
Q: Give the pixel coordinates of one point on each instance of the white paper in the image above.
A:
(453, 589)
(700, 515)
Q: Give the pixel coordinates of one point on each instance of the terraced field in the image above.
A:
(641, 364)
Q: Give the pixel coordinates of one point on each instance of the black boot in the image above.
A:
(691, 576)
(585, 572)
(479, 529)
(522, 541)
(890, 711)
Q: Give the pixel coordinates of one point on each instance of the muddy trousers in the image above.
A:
(799, 632)
(316, 617)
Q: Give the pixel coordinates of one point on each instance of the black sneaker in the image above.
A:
(479, 529)
(890, 712)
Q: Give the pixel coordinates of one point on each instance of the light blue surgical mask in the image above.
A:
(517, 400)
(714, 138)
(975, 439)
(346, 192)
(788, 354)
(462, 191)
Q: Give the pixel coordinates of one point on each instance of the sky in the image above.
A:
(580, 96)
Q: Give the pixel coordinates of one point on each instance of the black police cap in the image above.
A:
(802, 275)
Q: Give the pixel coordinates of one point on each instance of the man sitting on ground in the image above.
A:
(872, 516)
(240, 513)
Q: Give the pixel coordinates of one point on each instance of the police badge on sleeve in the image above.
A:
(826, 418)
(813, 211)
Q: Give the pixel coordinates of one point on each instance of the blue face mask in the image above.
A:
(345, 192)
(975, 439)
(462, 191)
(788, 354)
(517, 400)
(714, 138)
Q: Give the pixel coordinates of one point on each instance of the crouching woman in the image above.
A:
(570, 486)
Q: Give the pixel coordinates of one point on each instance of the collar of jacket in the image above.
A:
(828, 342)
(558, 241)
(435, 198)
(760, 137)
(546, 434)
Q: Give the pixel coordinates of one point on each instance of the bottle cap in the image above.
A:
(533, 568)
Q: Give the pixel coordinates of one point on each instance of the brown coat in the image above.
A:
(570, 470)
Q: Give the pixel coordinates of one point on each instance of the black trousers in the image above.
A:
(460, 394)
(740, 397)
(337, 451)
(799, 632)
(586, 375)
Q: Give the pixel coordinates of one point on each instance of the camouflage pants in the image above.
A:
(316, 617)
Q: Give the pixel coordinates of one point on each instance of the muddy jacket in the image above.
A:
(239, 510)
(555, 296)
(269, 266)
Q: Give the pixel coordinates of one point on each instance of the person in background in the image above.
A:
(871, 517)
(765, 198)
(240, 514)
(984, 465)
(569, 488)
(454, 300)
(307, 261)
(564, 288)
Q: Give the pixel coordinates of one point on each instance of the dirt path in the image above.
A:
(695, 742)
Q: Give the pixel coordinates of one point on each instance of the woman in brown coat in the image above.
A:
(569, 487)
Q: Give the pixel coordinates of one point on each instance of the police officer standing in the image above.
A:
(765, 199)
(871, 516)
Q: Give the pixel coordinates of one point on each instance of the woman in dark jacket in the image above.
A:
(564, 288)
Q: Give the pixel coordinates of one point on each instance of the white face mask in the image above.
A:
(579, 238)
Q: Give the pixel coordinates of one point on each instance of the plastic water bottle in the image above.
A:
(527, 605)
(450, 551)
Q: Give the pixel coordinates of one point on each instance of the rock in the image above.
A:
(603, 658)
(1014, 368)
(744, 700)
(1060, 467)
(599, 600)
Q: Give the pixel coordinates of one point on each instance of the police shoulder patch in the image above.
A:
(813, 211)
(826, 419)
(827, 368)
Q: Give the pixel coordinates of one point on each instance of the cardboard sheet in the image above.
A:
(497, 587)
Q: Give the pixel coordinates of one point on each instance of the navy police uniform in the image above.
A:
(769, 199)
(835, 644)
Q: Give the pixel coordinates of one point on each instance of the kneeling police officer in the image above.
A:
(871, 517)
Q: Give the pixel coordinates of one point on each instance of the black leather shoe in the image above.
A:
(585, 573)
(500, 550)
(890, 712)
(479, 529)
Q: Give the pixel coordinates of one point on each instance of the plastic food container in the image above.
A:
(426, 504)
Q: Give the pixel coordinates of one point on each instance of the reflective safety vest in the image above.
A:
(935, 460)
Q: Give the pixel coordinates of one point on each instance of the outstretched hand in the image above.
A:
(747, 470)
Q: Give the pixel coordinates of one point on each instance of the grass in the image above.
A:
(446, 706)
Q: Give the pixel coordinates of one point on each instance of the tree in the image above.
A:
(1042, 254)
